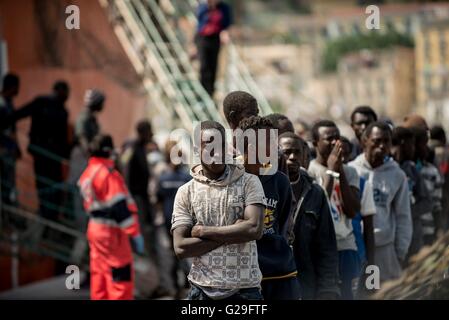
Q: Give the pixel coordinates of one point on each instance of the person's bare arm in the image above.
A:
(251, 228)
(334, 164)
(368, 234)
(350, 196)
(187, 246)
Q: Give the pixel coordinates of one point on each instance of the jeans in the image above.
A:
(243, 294)
(281, 289)
(349, 269)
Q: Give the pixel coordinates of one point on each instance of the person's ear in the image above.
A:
(233, 118)
(364, 139)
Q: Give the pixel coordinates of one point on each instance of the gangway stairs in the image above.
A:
(236, 75)
(160, 60)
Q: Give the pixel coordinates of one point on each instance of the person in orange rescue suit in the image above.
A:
(112, 222)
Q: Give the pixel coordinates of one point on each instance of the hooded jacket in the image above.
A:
(312, 234)
(220, 202)
(393, 220)
(275, 255)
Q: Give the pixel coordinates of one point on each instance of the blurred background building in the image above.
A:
(398, 69)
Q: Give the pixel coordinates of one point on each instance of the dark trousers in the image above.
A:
(281, 289)
(208, 49)
(146, 221)
(49, 178)
(8, 178)
(349, 266)
(243, 294)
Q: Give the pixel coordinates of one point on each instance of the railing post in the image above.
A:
(14, 260)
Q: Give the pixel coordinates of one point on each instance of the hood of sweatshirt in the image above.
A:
(231, 174)
(388, 165)
(392, 221)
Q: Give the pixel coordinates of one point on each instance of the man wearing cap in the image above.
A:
(87, 127)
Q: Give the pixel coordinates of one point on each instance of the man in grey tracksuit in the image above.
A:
(393, 221)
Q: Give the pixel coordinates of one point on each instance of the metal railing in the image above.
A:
(43, 236)
(60, 239)
(160, 60)
(237, 75)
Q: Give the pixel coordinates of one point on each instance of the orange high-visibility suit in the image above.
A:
(113, 219)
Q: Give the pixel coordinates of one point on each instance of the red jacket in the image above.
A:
(112, 211)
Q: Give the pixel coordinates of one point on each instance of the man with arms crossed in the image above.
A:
(217, 217)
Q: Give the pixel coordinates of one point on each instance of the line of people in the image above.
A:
(312, 232)
(308, 229)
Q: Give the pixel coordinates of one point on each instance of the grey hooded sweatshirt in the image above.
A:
(220, 202)
(393, 220)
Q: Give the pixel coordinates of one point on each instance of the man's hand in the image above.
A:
(138, 244)
(193, 53)
(248, 229)
(197, 231)
(187, 246)
(224, 37)
(334, 162)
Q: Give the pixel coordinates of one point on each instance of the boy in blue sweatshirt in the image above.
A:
(276, 260)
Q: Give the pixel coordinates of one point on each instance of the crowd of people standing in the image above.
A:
(328, 208)
(321, 218)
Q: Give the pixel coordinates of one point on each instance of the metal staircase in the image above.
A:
(236, 75)
(20, 227)
(160, 60)
(158, 55)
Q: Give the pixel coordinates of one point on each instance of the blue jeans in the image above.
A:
(243, 294)
(349, 269)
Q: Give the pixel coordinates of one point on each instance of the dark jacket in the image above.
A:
(138, 171)
(314, 243)
(7, 127)
(275, 255)
(168, 184)
(203, 15)
(421, 200)
(49, 126)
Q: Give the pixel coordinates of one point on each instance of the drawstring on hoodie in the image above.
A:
(226, 197)
(231, 173)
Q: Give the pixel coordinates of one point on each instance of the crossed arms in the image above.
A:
(196, 241)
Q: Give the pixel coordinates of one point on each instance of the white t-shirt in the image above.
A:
(367, 205)
(342, 224)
